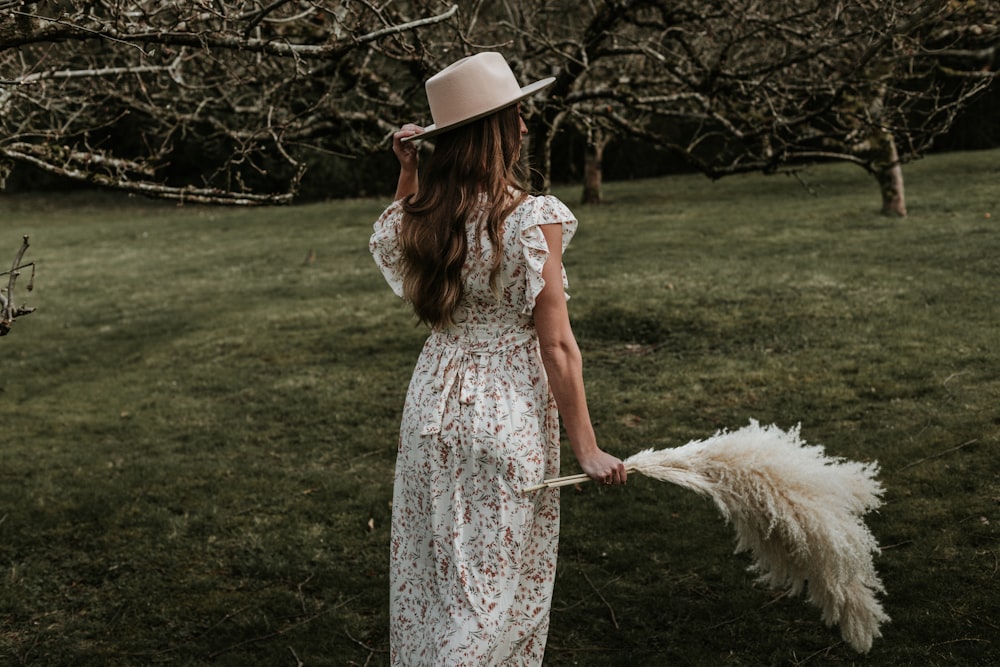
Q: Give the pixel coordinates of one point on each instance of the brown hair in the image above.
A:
(481, 158)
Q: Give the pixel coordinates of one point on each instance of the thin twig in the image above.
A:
(89, 73)
(896, 545)
(733, 619)
(938, 455)
(808, 658)
(298, 662)
(277, 633)
(258, 16)
(960, 639)
(607, 604)
(371, 650)
(302, 598)
(96, 33)
(958, 612)
(403, 27)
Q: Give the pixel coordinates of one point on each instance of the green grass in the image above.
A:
(199, 425)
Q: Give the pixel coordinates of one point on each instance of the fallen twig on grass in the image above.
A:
(611, 610)
(371, 650)
(298, 662)
(270, 635)
(938, 455)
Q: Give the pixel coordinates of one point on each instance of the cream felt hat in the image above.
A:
(472, 88)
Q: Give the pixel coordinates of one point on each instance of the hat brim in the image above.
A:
(527, 91)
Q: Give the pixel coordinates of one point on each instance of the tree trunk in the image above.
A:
(593, 172)
(540, 134)
(889, 173)
(890, 180)
(883, 160)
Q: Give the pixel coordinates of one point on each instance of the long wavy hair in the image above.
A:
(468, 162)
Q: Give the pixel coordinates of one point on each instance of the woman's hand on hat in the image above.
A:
(406, 151)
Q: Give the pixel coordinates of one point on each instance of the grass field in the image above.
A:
(199, 421)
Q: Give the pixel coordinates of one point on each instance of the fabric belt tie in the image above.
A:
(463, 359)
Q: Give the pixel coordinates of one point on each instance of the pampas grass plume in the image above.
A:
(797, 511)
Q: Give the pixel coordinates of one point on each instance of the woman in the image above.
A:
(473, 557)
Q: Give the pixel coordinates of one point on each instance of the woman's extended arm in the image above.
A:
(564, 367)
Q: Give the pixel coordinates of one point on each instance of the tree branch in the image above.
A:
(216, 39)
(179, 193)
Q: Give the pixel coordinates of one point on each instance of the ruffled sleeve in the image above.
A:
(384, 246)
(540, 211)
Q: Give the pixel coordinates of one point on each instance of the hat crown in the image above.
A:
(470, 88)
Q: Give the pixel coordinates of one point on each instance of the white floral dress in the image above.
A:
(473, 558)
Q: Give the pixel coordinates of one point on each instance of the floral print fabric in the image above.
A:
(473, 558)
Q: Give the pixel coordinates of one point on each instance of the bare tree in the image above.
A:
(208, 101)
(783, 83)
(9, 310)
(749, 85)
(230, 100)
